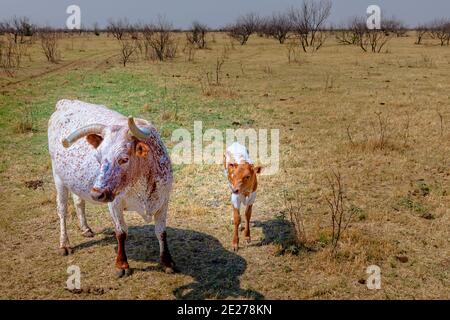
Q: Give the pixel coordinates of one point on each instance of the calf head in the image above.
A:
(119, 150)
(242, 177)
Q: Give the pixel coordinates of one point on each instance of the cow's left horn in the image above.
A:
(140, 133)
(82, 132)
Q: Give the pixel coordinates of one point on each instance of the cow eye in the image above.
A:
(123, 161)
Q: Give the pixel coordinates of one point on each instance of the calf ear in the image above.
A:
(258, 169)
(141, 149)
(94, 140)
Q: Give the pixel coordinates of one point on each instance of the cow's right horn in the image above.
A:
(140, 133)
(82, 132)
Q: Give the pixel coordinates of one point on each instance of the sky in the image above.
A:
(214, 13)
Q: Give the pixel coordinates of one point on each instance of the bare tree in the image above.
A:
(197, 35)
(440, 29)
(244, 27)
(278, 26)
(373, 40)
(127, 48)
(395, 26)
(118, 28)
(308, 21)
(421, 31)
(11, 54)
(49, 44)
(160, 39)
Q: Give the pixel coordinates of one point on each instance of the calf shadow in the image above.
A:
(275, 231)
(215, 270)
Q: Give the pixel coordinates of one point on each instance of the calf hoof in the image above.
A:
(65, 251)
(123, 273)
(235, 247)
(248, 239)
(88, 233)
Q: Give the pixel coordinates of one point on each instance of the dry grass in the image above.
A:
(380, 119)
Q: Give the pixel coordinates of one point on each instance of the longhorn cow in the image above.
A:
(101, 156)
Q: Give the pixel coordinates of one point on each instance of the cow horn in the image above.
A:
(140, 133)
(82, 132)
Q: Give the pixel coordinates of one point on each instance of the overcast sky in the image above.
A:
(215, 13)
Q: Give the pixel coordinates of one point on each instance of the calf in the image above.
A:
(241, 174)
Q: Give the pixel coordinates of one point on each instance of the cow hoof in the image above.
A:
(235, 247)
(88, 233)
(65, 251)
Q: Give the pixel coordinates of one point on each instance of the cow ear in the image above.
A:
(258, 169)
(232, 165)
(142, 149)
(94, 140)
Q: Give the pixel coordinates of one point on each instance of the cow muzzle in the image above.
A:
(104, 195)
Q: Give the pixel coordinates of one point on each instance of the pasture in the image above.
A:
(381, 120)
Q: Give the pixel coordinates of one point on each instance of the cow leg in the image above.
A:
(61, 205)
(248, 215)
(80, 209)
(160, 231)
(121, 230)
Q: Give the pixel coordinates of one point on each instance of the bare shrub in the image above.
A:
(244, 27)
(11, 54)
(278, 26)
(197, 35)
(295, 209)
(440, 30)
(293, 51)
(308, 21)
(25, 120)
(373, 40)
(340, 216)
(190, 50)
(395, 26)
(118, 28)
(345, 35)
(421, 31)
(161, 40)
(49, 44)
(127, 48)
(18, 27)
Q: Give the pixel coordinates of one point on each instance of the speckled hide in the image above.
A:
(142, 184)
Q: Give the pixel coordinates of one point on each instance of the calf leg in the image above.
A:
(61, 205)
(160, 231)
(248, 215)
(80, 209)
(121, 230)
(237, 221)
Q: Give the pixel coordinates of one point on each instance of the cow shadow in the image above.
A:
(215, 270)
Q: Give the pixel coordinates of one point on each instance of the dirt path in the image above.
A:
(102, 57)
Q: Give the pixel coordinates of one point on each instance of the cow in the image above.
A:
(101, 156)
(241, 174)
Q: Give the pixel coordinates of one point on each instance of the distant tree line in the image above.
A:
(304, 26)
